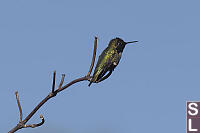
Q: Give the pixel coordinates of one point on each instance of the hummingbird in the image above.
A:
(108, 60)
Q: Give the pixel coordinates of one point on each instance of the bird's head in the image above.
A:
(119, 44)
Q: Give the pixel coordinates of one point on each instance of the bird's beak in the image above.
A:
(131, 42)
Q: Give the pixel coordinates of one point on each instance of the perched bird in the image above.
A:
(108, 60)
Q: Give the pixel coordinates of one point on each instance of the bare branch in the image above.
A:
(61, 82)
(72, 82)
(19, 105)
(53, 93)
(37, 107)
(54, 80)
(93, 57)
(36, 125)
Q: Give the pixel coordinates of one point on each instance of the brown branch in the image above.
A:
(73, 82)
(54, 81)
(93, 57)
(62, 80)
(22, 124)
(19, 106)
(36, 125)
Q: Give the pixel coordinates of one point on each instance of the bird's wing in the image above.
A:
(105, 77)
(105, 67)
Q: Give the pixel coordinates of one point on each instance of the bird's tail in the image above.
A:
(90, 83)
(92, 80)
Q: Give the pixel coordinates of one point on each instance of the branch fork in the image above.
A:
(53, 93)
(21, 124)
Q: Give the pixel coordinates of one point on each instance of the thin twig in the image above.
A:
(52, 94)
(73, 82)
(93, 57)
(61, 82)
(36, 125)
(54, 81)
(37, 107)
(19, 105)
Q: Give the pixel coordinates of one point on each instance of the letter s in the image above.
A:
(191, 107)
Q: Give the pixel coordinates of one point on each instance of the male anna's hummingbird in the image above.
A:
(108, 60)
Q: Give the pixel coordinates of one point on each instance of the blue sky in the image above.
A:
(148, 90)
